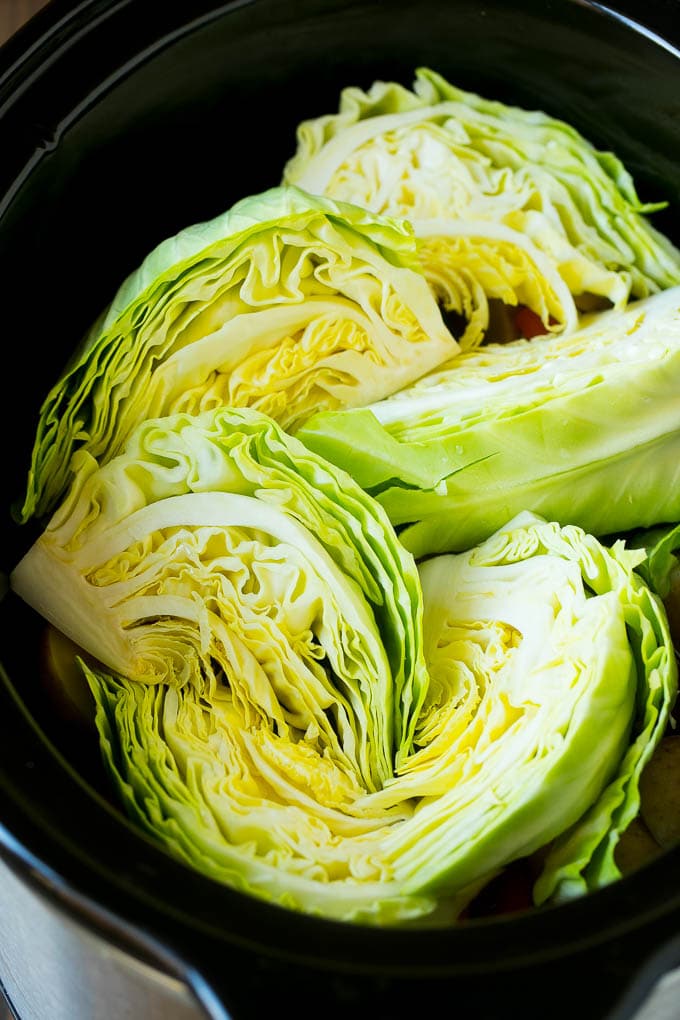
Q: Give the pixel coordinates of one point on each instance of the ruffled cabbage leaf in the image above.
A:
(661, 566)
(581, 429)
(285, 303)
(287, 703)
(584, 857)
(510, 205)
(660, 569)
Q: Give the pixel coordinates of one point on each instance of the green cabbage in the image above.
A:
(581, 429)
(579, 678)
(350, 603)
(285, 303)
(288, 704)
(217, 552)
(510, 205)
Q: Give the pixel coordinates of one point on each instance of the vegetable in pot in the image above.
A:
(583, 429)
(511, 206)
(286, 303)
(287, 703)
(218, 553)
(270, 423)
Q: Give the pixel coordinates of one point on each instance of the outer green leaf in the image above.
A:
(582, 859)
(662, 564)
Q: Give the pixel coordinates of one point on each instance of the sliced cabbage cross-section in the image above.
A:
(286, 703)
(285, 303)
(514, 209)
(219, 554)
(582, 429)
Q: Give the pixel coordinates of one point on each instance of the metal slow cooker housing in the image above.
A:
(121, 121)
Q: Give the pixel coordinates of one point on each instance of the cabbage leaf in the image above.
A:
(661, 566)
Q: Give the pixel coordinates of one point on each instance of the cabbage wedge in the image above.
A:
(559, 663)
(581, 429)
(510, 206)
(289, 705)
(217, 553)
(285, 303)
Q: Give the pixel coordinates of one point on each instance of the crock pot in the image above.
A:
(121, 121)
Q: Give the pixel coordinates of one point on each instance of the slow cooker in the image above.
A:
(121, 121)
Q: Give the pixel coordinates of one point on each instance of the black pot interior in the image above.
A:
(119, 125)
